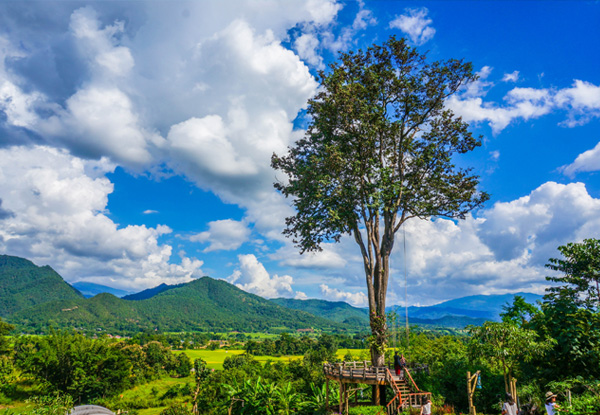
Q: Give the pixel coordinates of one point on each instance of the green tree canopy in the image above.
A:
(505, 345)
(379, 151)
(580, 269)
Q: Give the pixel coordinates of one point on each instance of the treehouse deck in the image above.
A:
(405, 390)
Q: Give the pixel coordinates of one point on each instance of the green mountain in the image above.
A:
(24, 285)
(203, 304)
(333, 310)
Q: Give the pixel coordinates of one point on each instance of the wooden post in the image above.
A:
(342, 389)
(513, 388)
(471, 384)
(327, 394)
(345, 401)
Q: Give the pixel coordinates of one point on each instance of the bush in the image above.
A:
(176, 409)
(365, 410)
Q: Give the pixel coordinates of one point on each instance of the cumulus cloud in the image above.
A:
(101, 122)
(331, 256)
(252, 276)
(222, 235)
(585, 162)
(581, 103)
(358, 299)
(57, 206)
(582, 100)
(306, 45)
(503, 250)
(323, 12)
(415, 24)
(536, 224)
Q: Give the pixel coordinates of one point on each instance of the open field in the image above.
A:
(215, 358)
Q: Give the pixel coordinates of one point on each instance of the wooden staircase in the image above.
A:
(406, 392)
(404, 395)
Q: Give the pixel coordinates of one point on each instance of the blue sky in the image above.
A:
(135, 139)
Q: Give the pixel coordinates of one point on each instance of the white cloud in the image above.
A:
(582, 102)
(57, 204)
(535, 225)
(101, 122)
(479, 87)
(19, 106)
(585, 162)
(253, 277)
(323, 12)
(358, 299)
(306, 45)
(99, 45)
(415, 24)
(222, 235)
(332, 256)
(300, 296)
(511, 77)
(364, 18)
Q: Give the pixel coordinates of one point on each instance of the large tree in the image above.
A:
(378, 151)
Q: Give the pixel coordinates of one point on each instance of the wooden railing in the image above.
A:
(363, 372)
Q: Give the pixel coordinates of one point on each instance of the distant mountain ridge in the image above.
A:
(90, 289)
(457, 313)
(151, 292)
(487, 307)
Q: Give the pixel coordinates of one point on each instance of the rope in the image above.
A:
(406, 290)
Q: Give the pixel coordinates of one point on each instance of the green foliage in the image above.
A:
(585, 398)
(570, 316)
(580, 269)
(365, 410)
(506, 345)
(315, 402)
(177, 409)
(519, 312)
(378, 152)
(52, 404)
(74, 365)
(23, 284)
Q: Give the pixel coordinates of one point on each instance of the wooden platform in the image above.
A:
(406, 392)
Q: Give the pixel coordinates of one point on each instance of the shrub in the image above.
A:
(365, 410)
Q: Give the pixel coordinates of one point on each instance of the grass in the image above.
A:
(360, 354)
(214, 358)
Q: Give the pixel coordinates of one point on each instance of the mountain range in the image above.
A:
(35, 298)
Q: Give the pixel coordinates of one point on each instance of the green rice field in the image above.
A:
(215, 358)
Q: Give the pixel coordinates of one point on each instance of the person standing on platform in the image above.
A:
(397, 364)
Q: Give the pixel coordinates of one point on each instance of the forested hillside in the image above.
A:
(24, 285)
(37, 298)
